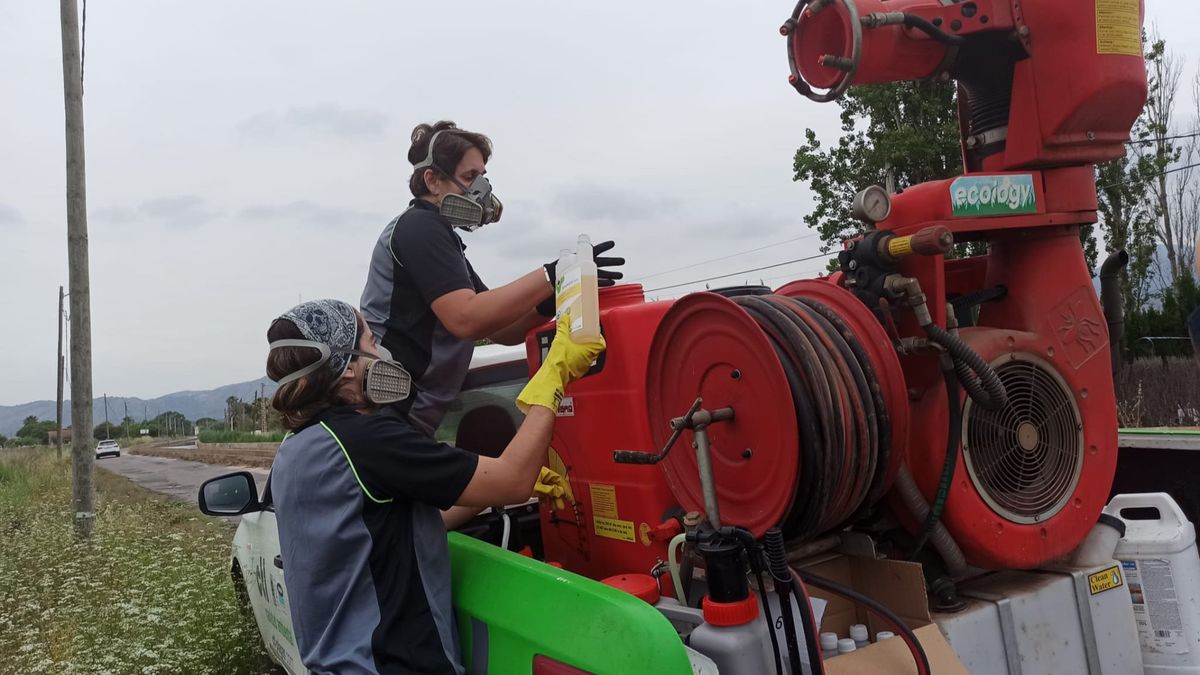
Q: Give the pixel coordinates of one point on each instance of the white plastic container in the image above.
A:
(576, 289)
(1162, 568)
(846, 645)
(858, 633)
(829, 645)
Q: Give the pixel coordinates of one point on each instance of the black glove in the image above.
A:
(603, 277)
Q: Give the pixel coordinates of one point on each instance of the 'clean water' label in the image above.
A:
(993, 195)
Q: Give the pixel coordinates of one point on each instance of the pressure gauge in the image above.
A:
(872, 204)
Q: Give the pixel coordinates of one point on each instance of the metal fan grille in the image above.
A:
(1025, 459)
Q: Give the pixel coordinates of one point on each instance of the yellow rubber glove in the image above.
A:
(566, 362)
(553, 486)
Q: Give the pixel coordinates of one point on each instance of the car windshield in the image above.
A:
(483, 419)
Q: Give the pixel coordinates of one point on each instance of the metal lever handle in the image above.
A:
(635, 457)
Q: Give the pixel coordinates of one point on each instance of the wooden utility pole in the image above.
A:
(58, 416)
(83, 495)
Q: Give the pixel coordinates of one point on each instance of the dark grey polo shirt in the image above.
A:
(418, 259)
(358, 499)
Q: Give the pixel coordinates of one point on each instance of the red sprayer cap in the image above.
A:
(730, 613)
(642, 586)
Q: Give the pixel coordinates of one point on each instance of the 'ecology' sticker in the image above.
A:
(993, 195)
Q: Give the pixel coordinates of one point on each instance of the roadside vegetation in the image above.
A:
(1159, 392)
(220, 436)
(149, 594)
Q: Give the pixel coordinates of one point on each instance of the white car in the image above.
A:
(108, 447)
(483, 419)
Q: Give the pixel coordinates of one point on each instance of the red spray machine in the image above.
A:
(974, 393)
(1045, 90)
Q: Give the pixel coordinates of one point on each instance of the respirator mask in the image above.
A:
(383, 381)
(473, 209)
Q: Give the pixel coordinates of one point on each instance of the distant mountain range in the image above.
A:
(193, 405)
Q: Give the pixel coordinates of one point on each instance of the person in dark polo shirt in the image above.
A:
(423, 300)
(363, 500)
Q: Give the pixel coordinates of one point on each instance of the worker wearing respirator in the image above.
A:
(363, 499)
(423, 300)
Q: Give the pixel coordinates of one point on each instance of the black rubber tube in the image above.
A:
(950, 463)
(923, 25)
(762, 596)
(981, 381)
(777, 562)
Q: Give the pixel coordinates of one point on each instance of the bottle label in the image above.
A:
(568, 292)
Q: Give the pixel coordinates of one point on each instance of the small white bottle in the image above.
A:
(846, 645)
(576, 288)
(829, 645)
(858, 633)
(883, 635)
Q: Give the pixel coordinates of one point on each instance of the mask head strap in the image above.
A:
(325, 350)
(428, 161)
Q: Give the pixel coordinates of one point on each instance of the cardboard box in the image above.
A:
(897, 585)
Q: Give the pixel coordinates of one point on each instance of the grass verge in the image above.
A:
(150, 593)
(217, 436)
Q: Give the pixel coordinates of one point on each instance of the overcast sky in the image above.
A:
(242, 155)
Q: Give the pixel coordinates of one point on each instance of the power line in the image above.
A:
(736, 274)
(1153, 175)
(726, 257)
(1147, 141)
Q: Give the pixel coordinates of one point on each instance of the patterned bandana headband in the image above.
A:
(329, 326)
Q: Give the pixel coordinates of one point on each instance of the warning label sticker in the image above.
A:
(604, 514)
(1155, 606)
(604, 500)
(1118, 27)
(1105, 580)
(613, 528)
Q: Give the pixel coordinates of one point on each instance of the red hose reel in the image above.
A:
(723, 351)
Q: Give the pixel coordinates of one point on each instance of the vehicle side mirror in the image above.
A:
(230, 495)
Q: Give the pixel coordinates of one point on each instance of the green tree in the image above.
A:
(1128, 214)
(106, 430)
(896, 135)
(173, 423)
(1169, 161)
(208, 423)
(35, 431)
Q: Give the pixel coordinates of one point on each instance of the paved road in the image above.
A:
(176, 478)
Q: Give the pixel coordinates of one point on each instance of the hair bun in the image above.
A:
(419, 132)
(422, 134)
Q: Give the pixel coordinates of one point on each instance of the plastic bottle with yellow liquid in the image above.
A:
(576, 289)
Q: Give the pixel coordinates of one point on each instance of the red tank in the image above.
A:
(613, 527)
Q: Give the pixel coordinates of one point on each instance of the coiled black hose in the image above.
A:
(844, 430)
(950, 464)
(977, 378)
